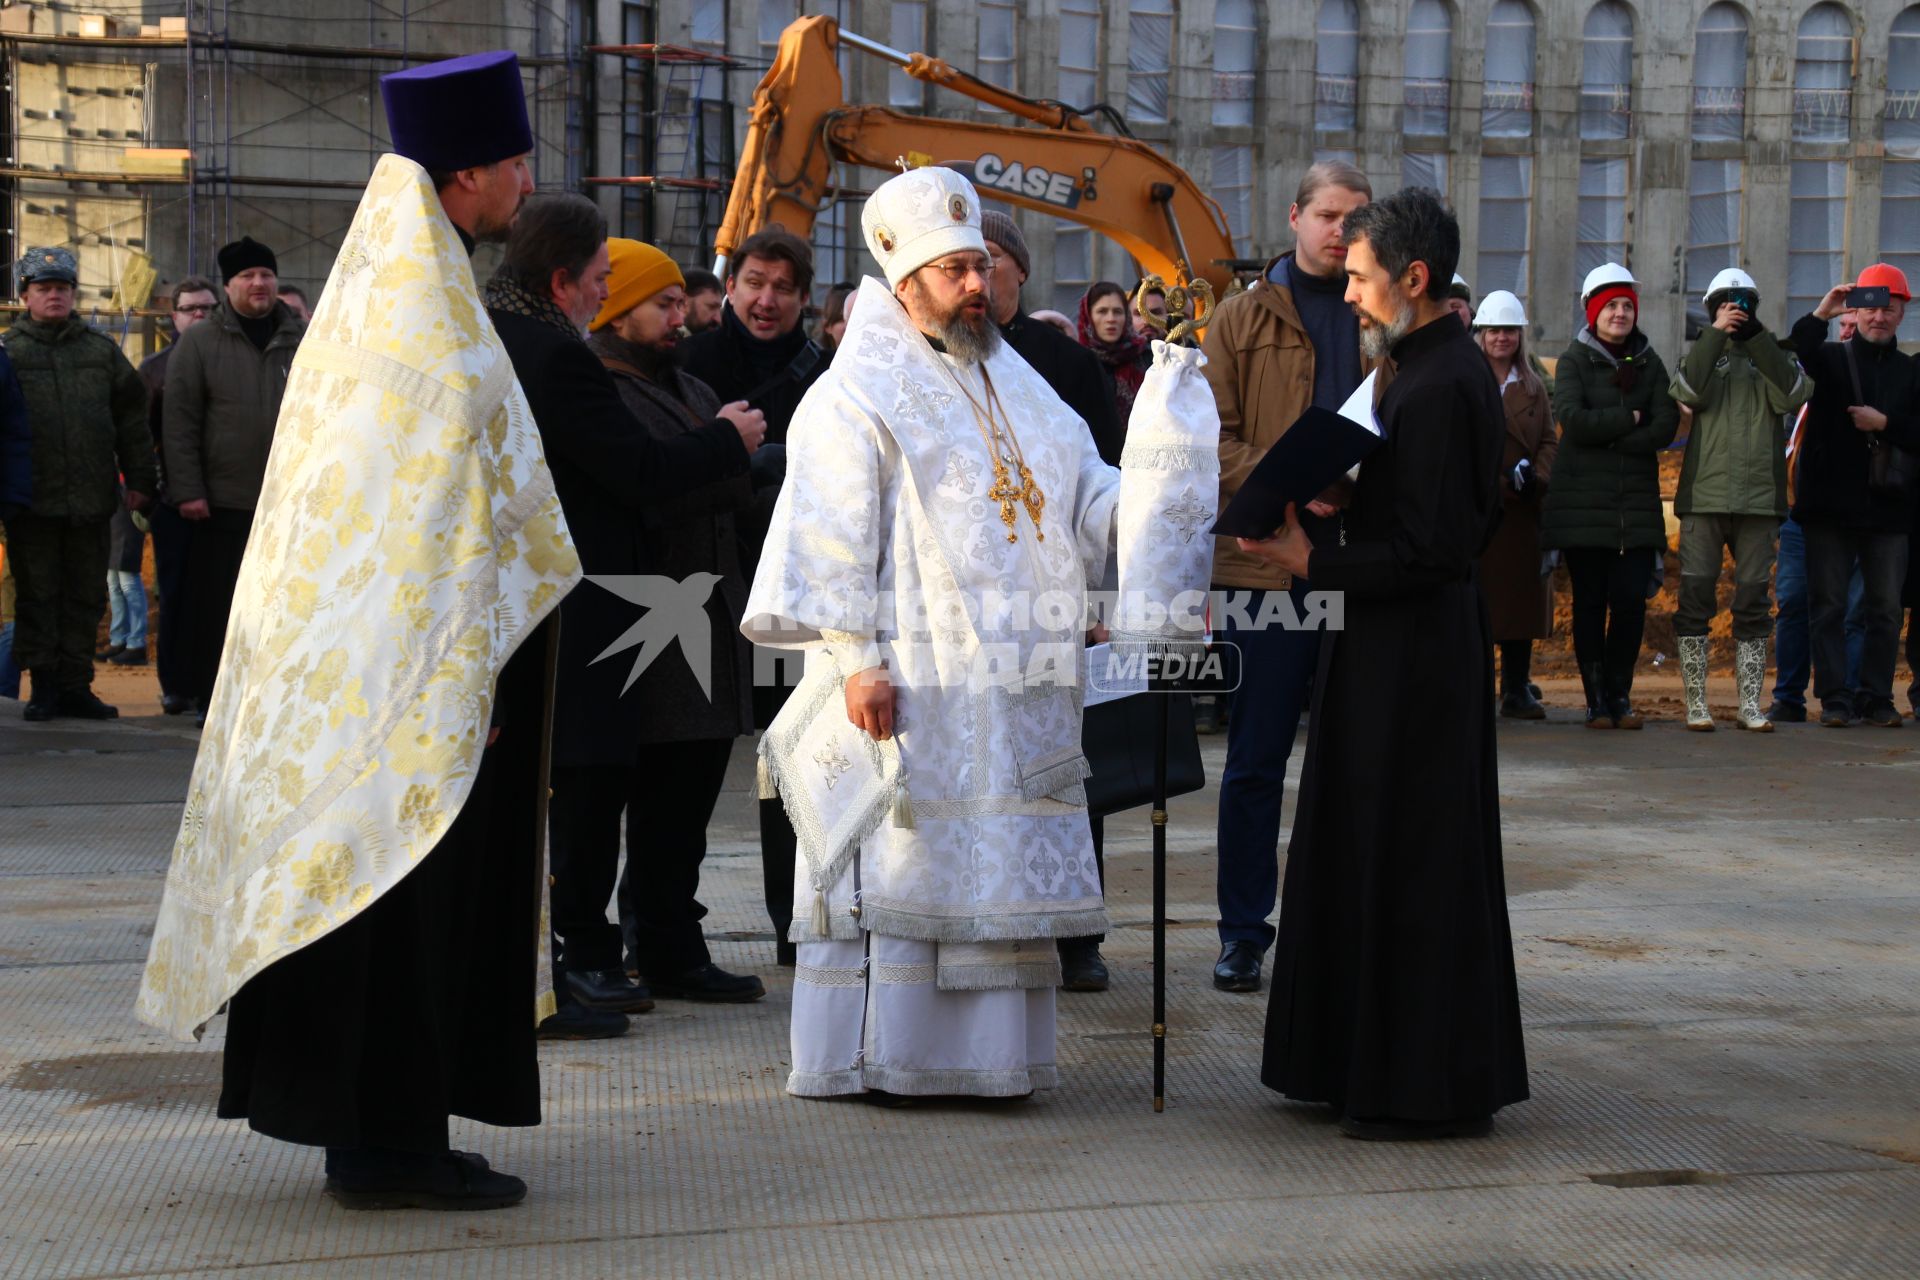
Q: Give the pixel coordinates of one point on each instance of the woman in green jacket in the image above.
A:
(1603, 512)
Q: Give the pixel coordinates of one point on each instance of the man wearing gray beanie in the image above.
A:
(1064, 364)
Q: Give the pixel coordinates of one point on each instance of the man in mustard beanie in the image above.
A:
(655, 745)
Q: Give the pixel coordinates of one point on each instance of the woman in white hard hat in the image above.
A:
(1616, 415)
(1519, 599)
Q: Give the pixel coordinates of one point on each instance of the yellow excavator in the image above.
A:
(801, 126)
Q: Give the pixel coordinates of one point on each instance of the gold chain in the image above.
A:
(1004, 448)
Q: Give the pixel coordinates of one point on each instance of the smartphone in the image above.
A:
(1873, 297)
(1745, 299)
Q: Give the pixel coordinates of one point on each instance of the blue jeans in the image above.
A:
(127, 603)
(1792, 634)
(1834, 557)
(9, 669)
(1276, 675)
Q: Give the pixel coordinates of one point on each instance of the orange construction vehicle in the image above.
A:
(801, 126)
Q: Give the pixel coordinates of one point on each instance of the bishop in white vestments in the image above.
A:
(943, 518)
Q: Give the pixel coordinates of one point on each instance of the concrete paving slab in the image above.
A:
(1721, 991)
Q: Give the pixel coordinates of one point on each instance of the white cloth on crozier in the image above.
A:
(884, 545)
(1169, 489)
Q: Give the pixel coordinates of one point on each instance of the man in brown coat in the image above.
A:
(1289, 342)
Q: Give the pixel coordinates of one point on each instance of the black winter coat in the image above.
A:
(609, 471)
(16, 441)
(1075, 375)
(739, 366)
(1606, 481)
(1830, 485)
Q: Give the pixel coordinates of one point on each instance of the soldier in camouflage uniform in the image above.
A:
(88, 410)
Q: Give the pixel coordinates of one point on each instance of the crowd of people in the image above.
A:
(688, 429)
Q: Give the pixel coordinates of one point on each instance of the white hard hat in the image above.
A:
(1607, 273)
(1461, 280)
(1731, 278)
(1500, 310)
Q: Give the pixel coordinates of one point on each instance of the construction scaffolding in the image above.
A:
(676, 129)
(146, 139)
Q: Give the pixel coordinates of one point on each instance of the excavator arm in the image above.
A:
(801, 126)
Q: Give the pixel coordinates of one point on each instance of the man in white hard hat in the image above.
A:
(1740, 384)
(1460, 300)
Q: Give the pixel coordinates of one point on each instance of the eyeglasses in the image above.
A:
(959, 271)
(199, 309)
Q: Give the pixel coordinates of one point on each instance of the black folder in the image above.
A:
(1319, 448)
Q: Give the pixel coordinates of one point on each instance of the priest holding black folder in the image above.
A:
(1394, 998)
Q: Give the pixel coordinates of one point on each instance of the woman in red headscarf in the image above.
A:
(1106, 329)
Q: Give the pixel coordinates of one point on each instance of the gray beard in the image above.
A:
(968, 344)
(1377, 339)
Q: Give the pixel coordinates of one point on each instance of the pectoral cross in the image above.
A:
(1027, 494)
(1004, 493)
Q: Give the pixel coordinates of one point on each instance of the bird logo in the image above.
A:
(676, 609)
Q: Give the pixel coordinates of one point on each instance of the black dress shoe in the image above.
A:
(1787, 712)
(109, 653)
(1390, 1130)
(1238, 968)
(1081, 966)
(130, 658)
(83, 704)
(609, 991)
(1522, 706)
(577, 1022)
(174, 705)
(41, 709)
(452, 1180)
(708, 982)
(1883, 717)
(1836, 716)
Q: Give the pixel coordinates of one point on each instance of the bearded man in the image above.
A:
(929, 763)
(1394, 999)
(360, 869)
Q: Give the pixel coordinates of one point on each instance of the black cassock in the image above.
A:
(422, 1006)
(1393, 983)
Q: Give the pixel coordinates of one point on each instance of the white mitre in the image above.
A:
(918, 216)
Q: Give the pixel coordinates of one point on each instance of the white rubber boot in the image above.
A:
(1693, 674)
(1750, 670)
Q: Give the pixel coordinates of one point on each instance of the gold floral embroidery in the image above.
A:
(326, 873)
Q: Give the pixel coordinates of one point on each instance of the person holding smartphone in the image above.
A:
(1855, 492)
(1740, 384)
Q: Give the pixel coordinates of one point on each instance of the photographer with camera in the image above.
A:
(1855, 492)
(1740, 383)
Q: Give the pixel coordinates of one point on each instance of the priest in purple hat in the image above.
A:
(360, 873)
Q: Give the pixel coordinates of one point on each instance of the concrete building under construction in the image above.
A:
(1679, 138)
